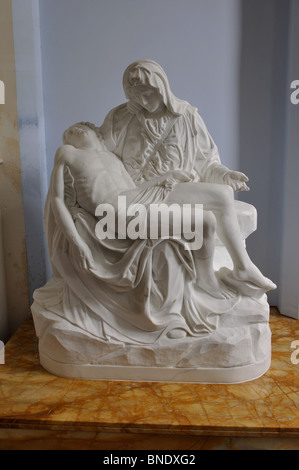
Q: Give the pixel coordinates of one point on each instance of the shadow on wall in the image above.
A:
(263, 97)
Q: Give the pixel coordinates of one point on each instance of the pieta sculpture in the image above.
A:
(151, 277)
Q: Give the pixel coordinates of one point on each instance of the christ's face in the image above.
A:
(89, 139)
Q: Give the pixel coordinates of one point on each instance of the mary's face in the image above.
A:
(147, 97)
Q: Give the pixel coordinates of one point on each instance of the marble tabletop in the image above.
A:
(31, 398)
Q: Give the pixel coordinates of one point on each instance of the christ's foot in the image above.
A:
(214, 287)
(252, 274)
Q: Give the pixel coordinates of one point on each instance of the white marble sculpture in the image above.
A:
(138, 307)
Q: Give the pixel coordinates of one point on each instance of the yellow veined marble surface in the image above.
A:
(33, 399)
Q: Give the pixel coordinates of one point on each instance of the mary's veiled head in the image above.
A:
(148, 73)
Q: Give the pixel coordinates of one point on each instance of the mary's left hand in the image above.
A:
(236, 180)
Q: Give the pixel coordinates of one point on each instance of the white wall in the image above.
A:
(263, 102)
(289, 280)
(14, 304)
(32, 135)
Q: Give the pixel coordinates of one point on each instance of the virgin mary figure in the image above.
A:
(155, 133)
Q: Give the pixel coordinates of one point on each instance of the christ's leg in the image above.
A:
(219, 199)
(203, 259)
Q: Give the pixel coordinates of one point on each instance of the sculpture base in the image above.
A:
(222, 375)
(238, 350)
